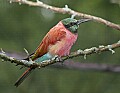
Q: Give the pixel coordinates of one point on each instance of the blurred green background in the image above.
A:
(23, 26)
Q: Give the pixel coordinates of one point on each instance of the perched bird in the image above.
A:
(58, 41)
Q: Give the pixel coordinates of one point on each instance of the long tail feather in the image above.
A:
(23, 77)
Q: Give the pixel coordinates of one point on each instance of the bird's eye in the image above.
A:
(71, 24)
(67, 26)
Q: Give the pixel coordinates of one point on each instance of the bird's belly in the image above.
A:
(61, 48)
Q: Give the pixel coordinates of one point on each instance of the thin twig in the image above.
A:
(67, 10)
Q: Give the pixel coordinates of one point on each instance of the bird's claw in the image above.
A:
(58, 59)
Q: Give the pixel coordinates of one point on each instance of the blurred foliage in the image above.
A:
(23, 26)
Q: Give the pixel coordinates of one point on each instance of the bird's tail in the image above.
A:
(23, 77)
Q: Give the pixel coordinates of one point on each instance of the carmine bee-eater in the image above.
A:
(58, 41)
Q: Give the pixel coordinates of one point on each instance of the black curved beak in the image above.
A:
(82, 21)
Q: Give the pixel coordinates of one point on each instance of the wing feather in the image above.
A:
(51, 38)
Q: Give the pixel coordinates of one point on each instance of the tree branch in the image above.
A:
(76, 65)
(67, 10)
(79, 52)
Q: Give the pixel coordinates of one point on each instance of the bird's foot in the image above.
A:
(58, 59)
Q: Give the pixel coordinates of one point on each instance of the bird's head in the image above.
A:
(73, 24)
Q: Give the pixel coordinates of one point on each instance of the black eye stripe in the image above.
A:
(67, 26)
(70, 24)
